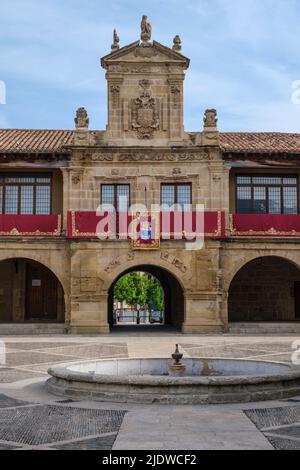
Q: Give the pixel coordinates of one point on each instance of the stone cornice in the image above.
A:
(140, 156)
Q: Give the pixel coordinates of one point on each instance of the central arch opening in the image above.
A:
(145, 296)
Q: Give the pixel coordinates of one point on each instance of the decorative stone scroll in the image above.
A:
(145, 157)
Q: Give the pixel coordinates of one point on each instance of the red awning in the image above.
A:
(172, 225)
(30, 225)
(262, 225)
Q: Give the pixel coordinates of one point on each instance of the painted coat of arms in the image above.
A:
(145, 113)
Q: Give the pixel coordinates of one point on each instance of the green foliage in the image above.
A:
(140, 289)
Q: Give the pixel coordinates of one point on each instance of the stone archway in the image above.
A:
(173, 294)
(266, 289)
(29, 292)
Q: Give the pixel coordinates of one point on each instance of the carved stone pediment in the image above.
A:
(139, 52)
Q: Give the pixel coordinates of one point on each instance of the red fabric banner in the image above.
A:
(262, 225)
(30, 225)
(172, 226)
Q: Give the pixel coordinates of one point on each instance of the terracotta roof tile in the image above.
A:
(259, 142)
(31, 141)
(52, 141)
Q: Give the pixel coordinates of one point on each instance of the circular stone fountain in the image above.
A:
(193, 381)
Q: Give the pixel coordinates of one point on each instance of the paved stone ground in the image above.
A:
(31, 418)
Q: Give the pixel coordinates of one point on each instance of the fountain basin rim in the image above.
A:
(65, 373)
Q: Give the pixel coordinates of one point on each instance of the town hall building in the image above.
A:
(57, 276)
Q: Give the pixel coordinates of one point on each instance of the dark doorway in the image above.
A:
(41, 293)
(29, 292)
(265, 290)
(173, 298)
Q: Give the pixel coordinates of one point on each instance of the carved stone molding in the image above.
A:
(33, 157)
(176, 91)
(102, 157)
(193, 157)
(174, 261)
(144, 157)
(76, 179)
(115, 92)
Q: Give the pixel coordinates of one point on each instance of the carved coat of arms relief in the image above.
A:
(145, 112)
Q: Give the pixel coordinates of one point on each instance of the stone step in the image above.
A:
(265, 328)
(32, 329)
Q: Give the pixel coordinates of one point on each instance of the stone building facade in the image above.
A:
(57, 275)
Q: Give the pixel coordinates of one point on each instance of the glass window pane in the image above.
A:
(244, 200)
(19, 179)
(45, 179)
(108, 194)
(11, 199)
(26, 200)
(43, 200)
(274, 201)
(168, 194)
(184, 195)
(290, 201)
(265, 180)
(290, 180)
(259, 202)
(123, 198)
(244, 179)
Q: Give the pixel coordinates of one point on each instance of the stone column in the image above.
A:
(202, 314)
(89, 315)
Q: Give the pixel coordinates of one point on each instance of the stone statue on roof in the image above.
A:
(146, 29)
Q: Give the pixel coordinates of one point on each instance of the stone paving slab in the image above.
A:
(94, 351)
(189, 428)
(27, 358)
(36, 345)
(11, 375)
(225, 352)
(8, 447)
(8, 402)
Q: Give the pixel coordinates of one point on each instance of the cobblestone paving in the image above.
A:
(59, 427)
(281, 426)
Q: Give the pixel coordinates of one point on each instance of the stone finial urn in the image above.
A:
(177, 356)
(177, 369)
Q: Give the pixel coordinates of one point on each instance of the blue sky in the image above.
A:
(244, 55)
